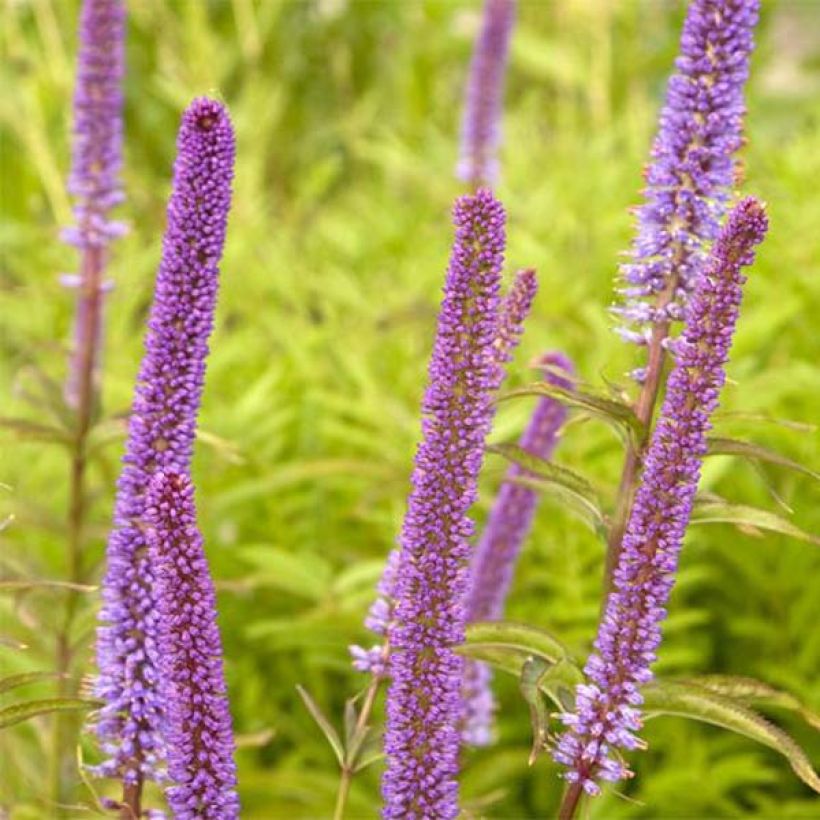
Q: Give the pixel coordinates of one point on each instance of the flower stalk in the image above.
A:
(607, 714)
(161, 433)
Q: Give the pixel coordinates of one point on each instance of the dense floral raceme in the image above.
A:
(198, 730)
(514, 309)
(690, 177)
(161, 434)
(94, 180)
(481, 122)
(495, 556)
(607, 708)
(424, 698)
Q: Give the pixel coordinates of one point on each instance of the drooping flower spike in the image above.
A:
(94, 181)
(481, 121)
(197, 726)
(161, 433)
(497, 552)
(424, 698)
(607, 714)
(690, 178)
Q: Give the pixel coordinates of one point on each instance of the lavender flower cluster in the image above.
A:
(160, 437)
(607, 715)
(690, 178)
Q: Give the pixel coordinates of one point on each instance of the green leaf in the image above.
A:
(324, 724)
(509, 646)
(305, 574)
(735, 447)
(25, 711)
(43, 583)
(616, 413)
(688, 700)
(33, 431)
(586, 509)
(13, 681)
(747, 519)
(532, 673)
(752, 691)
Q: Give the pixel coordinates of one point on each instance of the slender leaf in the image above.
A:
(698, 703)
(19, 712)
(614, 412)
(324, 724)
(23, 679)
(34, 431)
(735, 447)
(747, 519)
(754, 692)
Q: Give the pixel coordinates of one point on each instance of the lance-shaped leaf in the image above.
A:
(753, 692)
(33, 708)
(324, 724)
(719, 446)
(23, 679)
(617, 413)
(698, 703)
(747, 519)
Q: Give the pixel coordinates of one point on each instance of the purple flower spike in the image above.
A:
(495, 557)
(424, 699)
(690, 178)
(161, 435)
(607, 709)
(94, 180)
(515, 307)
(198, 729)
(480, 127)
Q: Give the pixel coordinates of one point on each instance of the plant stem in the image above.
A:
(348, 767)
(130, 808)
(571, 801)
(89, 309)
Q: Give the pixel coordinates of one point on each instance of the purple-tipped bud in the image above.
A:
(161, 433)
(424, 699)
(94, 180)
(494, 560)
(481, 122)
(691, 175)
(606, 717)
(197, 728)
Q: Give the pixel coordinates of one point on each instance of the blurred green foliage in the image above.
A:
(347, 115)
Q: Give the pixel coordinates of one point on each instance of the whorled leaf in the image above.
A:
(719, 446)
(689, 700)
(747, 519)
(23, 679)
(17, 713)
(614, 412)
(324, 724)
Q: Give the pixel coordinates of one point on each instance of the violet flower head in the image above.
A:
(515, 307)
(161, 433)
(94, 179)
(424, 698)
(607, 708)
(494, 560)
(481, 122)
(198, 729)
(690, 177)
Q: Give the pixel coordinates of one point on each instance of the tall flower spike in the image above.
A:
(607, 708)
(161, 435)
(198, 727)
(513, 310)
(495, 556)
(424, 699)
(481, 126)
(94, 180)
(690, 178)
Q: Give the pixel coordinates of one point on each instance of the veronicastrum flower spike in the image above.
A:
(495, 556)
(198, 731)
(607, 712)
(94, 180)
(160, 436)
(424, 698)
(690, 177)
(481, 121)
